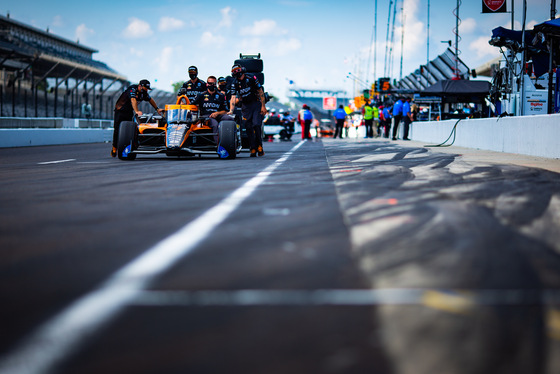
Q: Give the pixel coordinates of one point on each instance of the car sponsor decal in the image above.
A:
(127, 150)
(222, 152)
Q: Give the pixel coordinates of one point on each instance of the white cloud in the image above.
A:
(264, 27)
(58, 21)
(285, 46)
(165, 59)
(209, 39)
(83, 32)
(137, 29)
(482, 49)
(467, 26)
(227, 17)
(250, 45)
(531, 24)
(170, 24)
(136, 52)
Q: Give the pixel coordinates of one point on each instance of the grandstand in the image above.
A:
(314, 99)
(44, 75)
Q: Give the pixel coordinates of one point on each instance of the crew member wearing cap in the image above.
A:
(224, 89)
(248, 90)
(127, 106)
(194, 86)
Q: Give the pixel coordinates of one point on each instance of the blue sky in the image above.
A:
(312, 43)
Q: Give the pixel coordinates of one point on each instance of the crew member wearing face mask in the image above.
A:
(212, 103)
(248, 90)
(194, 86)
(223, 88)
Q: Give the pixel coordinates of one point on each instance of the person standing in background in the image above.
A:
(397, 116)
(407, 118)
(367, 113)
(305, 117)
(339, 117)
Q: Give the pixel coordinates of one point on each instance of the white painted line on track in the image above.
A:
(56, 162)
(60, 336)
(444, 299)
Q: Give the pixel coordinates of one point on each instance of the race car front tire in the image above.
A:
(227, 146)
(128, 141)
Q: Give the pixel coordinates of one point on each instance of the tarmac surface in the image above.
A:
(326, 256)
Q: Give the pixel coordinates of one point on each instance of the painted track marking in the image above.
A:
(56, 162)
(58, 337)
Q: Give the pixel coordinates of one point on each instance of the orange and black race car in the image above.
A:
(182, 132)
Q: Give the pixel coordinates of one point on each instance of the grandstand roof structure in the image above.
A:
(439, 69)
(26, 50)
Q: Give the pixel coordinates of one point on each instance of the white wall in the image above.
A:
(34, 137)
(529, 135)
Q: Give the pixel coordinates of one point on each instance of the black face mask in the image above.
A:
(192, 75)
(238, 75)
(211, 87)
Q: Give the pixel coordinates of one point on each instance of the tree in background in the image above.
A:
(177, 85)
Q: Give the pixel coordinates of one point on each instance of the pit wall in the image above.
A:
(530, 135)
(23, 132)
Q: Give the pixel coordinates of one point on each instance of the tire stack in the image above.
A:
(253, 64)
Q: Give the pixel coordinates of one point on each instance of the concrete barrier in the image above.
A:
(24, 132)
(34, 137)
(529, 135)
(53, 123)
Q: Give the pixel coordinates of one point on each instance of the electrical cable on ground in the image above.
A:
(453, 132)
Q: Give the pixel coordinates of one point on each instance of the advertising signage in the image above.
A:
(494, 6)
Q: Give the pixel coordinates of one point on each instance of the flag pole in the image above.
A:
(523, 58)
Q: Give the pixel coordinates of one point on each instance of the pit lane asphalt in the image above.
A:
(346, 215)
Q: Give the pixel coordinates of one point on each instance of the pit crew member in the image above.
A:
(247, 88)
(194, 86)
(223, 88)
(127, 105)
(212, 103)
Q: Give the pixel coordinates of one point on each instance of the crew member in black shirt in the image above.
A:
(224, 89)
(127, 105)
(248, 90)
(193, 87)
(212, 103)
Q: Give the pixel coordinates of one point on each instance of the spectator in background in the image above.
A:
(381, 123)
(339, 117)
(367, 113)
(414, 109)
(407, 118)
(305, 118)
(387, 118)
(397, 116)
(272, 119)
(375, 127)
(287, 121)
